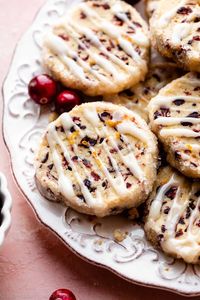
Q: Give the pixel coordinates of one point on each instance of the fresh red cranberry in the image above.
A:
(42, 89)
(62, 294)
(66, 100)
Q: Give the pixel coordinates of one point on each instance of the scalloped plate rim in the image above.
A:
(6, 142)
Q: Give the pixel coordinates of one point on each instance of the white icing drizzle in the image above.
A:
(179, 132)
(64, 183)
(175, 121)
(91, 116)
(127, 127)
(180, 31)
(175, 212)
(194, 147)
(163, 100)
(156, 205)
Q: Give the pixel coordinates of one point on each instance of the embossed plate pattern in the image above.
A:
(5, 208)
(134, 258)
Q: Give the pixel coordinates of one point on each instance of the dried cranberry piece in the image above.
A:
(83, 15)
(179, 102)
(171, 193)
(196, 38)
(163, 228)
(118, 21)
(104, 116)
(163, 112)
(87, 141)
(105, 184)
(75, 158)
(106, 6)
(188, 213)
(45, 159)
(184, 10)
(86, 163)
(166, 210)
(186, 124)
(95, 176)
(87, 183)
(128, 185)
(179, 233)
(197, 194)
(194, 114)
(181, 221)
(64, 37)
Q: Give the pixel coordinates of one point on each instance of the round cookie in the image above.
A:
(138, 97)
(175, 118)
(172, 218)
(99, 47)
(175, 29)
(99, 159)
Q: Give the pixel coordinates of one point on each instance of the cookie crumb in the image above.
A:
(119, 235)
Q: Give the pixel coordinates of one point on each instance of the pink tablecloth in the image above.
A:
(33, 262)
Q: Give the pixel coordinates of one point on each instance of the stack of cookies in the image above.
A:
(103, 157)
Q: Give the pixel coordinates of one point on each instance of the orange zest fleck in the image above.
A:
(72, 137)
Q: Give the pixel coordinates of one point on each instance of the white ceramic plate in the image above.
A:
(5, 207)
(134, 258)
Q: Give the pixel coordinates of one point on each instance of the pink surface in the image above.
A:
(34, 262)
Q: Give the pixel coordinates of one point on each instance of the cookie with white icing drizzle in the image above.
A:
(173, 216)
(175, 30)
(138, 97)
(98, 47)
(175, 118)
(99, 159)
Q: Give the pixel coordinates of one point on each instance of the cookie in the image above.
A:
(173, 217)
(175, 118)
(99, 47)
(175, 29)
(138, 97)
(98, 159)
